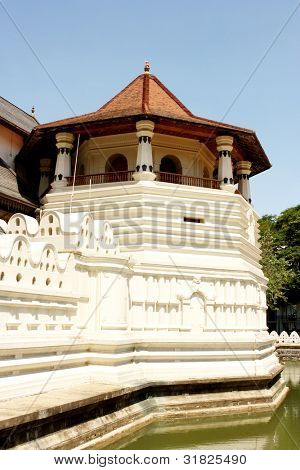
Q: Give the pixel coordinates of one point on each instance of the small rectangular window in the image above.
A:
(193, 220)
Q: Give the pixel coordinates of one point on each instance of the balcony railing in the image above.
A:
(100, 178)
(188, 180)
(116, 177)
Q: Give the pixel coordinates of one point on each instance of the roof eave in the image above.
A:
(197, 122)
(15, 200)
(14, 127)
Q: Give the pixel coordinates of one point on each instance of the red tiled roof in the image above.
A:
(146, 94)
(144, 97)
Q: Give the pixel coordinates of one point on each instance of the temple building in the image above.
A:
(15, 127)
(142, 269)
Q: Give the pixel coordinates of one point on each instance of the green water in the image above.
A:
(281, 430)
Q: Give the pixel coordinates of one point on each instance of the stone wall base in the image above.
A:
(101, 420)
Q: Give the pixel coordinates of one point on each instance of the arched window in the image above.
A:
(170, 164)
(115, 166)
(116, 163)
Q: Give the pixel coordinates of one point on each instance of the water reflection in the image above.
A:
(280, 430)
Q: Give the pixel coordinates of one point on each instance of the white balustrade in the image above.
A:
(284, 338)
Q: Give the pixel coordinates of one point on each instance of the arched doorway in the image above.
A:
(116, 168)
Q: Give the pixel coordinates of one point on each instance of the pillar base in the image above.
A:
(144, 176)
(56, 185)
(227, 187)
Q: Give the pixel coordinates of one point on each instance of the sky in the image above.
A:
(235, 61)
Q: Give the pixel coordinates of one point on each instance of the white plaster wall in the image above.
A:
(232, 286)
(151, 311)
(94, 153)
(193, 156)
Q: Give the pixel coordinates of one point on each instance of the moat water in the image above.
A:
(281, 430)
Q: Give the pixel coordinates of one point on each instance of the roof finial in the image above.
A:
(33, 111)
(147, 67)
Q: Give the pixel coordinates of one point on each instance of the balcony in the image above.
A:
(121, 176)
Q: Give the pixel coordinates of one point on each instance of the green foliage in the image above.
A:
(287, 229)
(280, 244)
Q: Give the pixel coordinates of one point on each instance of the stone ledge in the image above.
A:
(55, 411)
(103, 431)
(288, 352)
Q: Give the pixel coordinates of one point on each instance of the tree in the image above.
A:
(275, 266)
(287, 234)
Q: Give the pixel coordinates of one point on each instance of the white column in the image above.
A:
(243, 170)
(144, 161)
(64, 144)
(225, 175)
(45, 165)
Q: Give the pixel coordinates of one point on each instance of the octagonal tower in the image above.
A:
(175, 294)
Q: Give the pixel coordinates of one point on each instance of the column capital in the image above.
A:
(145, 128)
(45, 164)
(243, 168)
(224, 142)
(64, 140)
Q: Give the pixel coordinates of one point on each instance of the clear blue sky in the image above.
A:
(203, 51)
